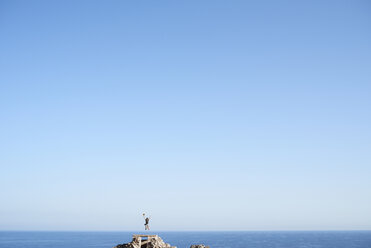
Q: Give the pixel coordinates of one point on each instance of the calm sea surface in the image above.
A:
(320, 239)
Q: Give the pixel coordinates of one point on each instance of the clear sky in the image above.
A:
(207, 115)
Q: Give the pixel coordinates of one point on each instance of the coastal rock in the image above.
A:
(124, 246)
(199, 246)
(145, 241)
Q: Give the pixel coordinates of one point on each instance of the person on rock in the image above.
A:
(146, 223)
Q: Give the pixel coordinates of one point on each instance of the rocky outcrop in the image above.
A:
(145, 241)
(124, 246)
(150, 241)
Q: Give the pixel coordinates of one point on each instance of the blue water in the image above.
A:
(320, 239)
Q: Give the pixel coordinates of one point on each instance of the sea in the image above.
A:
(246, 239)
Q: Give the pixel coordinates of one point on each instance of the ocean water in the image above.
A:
(258, 239)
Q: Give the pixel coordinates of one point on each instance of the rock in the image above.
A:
(124, 246)
(199, 246)
(145, 241)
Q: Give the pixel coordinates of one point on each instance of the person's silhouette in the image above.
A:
(146, 223)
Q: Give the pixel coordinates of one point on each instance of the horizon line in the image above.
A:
(257, 230)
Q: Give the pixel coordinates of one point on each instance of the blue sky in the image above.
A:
(207, 115)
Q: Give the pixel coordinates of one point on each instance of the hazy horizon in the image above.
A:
(205, 115)
(160, 231)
